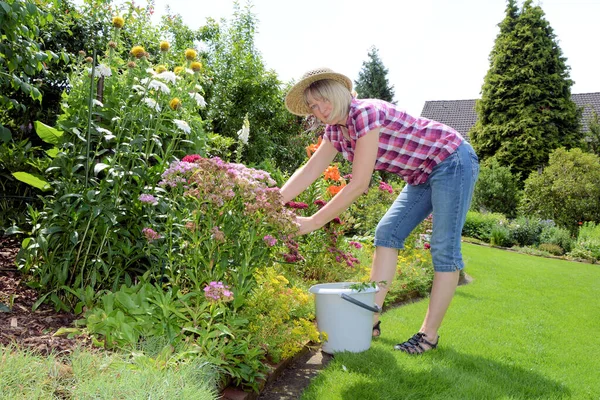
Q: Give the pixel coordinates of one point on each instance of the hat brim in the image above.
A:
(294, 100)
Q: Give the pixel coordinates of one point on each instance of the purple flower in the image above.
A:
(270, 240)
(148, 198)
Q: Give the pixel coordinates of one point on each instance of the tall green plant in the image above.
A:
(372, 80)
(525, 110)
(122, 124)
(243, 85)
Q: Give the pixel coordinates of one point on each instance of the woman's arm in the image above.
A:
(309, 172)
(365, 155)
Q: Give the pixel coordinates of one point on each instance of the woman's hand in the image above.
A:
(307, 225)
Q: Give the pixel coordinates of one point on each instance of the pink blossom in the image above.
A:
(270, 240)
(216, 291)
(150, 234)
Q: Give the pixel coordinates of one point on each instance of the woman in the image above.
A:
(438, 165)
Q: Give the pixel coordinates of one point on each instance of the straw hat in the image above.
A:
(294, 100)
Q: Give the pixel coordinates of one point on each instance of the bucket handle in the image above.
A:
(375, 308)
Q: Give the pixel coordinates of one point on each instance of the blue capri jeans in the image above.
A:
(447, 196)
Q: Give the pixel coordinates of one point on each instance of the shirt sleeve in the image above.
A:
(367, 118)
(332, 135)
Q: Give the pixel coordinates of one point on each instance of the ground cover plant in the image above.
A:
(492, 346)
(91, 375)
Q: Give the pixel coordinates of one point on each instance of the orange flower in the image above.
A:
(332, 173)
(333, 190)
(313, 147)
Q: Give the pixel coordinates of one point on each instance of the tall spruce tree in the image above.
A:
(525, 110)
(372, 80)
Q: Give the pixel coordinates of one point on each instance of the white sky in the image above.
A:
(433, 49)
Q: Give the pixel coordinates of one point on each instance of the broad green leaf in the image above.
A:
(5, 134)
(47, 133)
(35, 181)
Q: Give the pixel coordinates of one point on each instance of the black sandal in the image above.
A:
(377, 328)
(413, 345)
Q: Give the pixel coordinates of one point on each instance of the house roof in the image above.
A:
(461, 115)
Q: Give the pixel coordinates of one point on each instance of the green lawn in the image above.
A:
(525, 328)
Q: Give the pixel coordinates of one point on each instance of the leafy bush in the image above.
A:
(281, 316)
(588, 242)
(480, 225)
(567, 191)
(497, 189)
(552, 249)
(500, 236)
(526, 231)
(196, 323)
(557, 236)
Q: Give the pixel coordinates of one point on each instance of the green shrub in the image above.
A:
(500, 236)
(552, 249)
(497, 189)
(526, 231)
(567, 191)
(479, 225)
(557, 236)
(588, 241)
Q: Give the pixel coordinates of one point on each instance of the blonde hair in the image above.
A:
(334, 92)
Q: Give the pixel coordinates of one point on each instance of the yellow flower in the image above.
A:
(178, 70)
(118, 22)
(164, 46)
(138, 51)
(175, 103)
(160, 68)
(190, 54)
(196, 66)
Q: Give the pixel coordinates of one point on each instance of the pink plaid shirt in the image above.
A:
(408, 146)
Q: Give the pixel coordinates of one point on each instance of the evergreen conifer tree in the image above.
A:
(525, 110)
(372, 80)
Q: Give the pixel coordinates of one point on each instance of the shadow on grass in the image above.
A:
(450, 375)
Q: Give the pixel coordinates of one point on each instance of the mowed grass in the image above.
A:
(525, 328)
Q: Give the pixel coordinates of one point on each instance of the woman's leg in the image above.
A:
(452, 183)
(411, 207)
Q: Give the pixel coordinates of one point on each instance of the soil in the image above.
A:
(19, 325)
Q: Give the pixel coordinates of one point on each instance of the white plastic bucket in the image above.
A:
(346, 315)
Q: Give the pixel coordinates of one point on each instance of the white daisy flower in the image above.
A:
(139, 88)
(151, 103)
(199, 99)
(182, 125)
(104, 70)
(161, 87)
(167, 76)
(198, 88)
(151, 71)
(97, 103)
(189, 71)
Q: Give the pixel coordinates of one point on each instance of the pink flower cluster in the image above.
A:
(384, 187)
(150, 234)
(217, 291)
(148, 198)
(270, 240)
(354, 244)
(296, 205)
